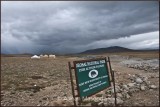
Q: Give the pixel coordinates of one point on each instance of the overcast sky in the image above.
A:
(76, 26)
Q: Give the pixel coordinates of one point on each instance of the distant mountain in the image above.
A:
(112, 50)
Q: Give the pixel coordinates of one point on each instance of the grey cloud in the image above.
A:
(65, 26)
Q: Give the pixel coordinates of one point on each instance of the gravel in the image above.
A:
(146, 65)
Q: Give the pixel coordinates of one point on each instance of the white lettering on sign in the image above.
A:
(82, 69)
(81, 84)
(102, 61)
(86, 90)
(81, 64)
(92, 80)
(90, 63)
(94, 85)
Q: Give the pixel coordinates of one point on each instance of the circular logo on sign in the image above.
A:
(93, 73)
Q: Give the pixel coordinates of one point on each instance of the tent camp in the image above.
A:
(35, 57)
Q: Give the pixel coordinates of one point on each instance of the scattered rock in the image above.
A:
(111, 101)
(138, 80)
(153, 87)
(105, 104)
(99, 95)
(36, 77)
(100, 104)
(125, 87)
(89, 104)
(47, 103)
(127, 96)
(55, 96)
(68, 103)
(119, 95)
(44, 98)
(131, 84)
(31, 94)
(119, 101)
(142, 87)
(12, 92)
(133, 90)
(39, 105)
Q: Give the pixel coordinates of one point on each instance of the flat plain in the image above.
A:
(46, 81)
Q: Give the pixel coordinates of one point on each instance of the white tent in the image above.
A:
(35, 57)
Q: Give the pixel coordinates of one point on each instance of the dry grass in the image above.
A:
(21, 72)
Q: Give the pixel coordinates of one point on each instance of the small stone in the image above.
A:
(47, 103)
(131, 84)
(99, 95)
(127, 96)
(31, 94)
(145, 79)
(68, 103)
(100, 104)
(108, 95)
(157, 76)
(142, 87)
(105, 104)
(119, 95)
(111, 101)
(119, 101)
(13, 92)
(125, 87)
(136, 104)
(153, 87)
(133, 90)
(138, 80)
(93, 104)
(44, 98)
(148, 82)
(54, 96)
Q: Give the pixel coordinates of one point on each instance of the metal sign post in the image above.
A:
(92, 76)
(113, 80)
(70, 72)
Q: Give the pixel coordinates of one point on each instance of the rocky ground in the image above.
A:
(46, 82)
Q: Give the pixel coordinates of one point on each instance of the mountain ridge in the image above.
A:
(114, 49)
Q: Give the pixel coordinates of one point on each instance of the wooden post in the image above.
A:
(69, 64)
(112, 74)
(110, 68)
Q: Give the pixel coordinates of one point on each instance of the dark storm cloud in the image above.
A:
(67, 27)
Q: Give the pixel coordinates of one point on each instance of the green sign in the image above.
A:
(92, 76)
